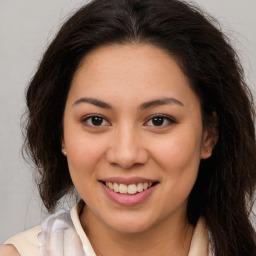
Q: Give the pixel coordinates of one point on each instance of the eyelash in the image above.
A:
(85, 120)
(165, 118)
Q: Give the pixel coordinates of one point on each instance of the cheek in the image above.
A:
(178, 150)
(84, 152)
(179, 158)
(84, 157)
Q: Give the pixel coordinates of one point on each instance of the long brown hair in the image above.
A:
(225, 185)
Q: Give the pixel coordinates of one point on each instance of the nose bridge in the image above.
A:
(127, 148)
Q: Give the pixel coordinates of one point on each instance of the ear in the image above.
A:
(209, 137)
(63, 148)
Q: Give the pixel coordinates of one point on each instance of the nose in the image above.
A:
(126, 148)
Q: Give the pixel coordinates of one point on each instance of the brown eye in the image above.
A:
(157, 121)
(160, 121)
(95, 121)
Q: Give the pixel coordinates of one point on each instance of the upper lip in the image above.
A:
(128, 181)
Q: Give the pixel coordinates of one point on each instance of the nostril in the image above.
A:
(126, 156)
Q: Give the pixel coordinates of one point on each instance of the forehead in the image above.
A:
(135, 58)
(137, 71)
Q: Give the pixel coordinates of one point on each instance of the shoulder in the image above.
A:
(8, 250)
(24, 243)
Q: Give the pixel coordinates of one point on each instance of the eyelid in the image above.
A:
(85, 118)
(171, 120)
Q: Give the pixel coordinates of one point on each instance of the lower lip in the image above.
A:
(128, 200)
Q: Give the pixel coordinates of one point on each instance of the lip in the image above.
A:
(128, 181)
(125, 199)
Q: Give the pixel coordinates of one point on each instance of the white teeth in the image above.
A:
(123, 189)
(140, 187)
(132, 189)
(145, 186)
(128, 189)
(110, 185)
(116, 187)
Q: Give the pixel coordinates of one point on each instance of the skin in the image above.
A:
(128, 144)
(9, 250)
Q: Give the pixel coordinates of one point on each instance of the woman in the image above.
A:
(141, 107)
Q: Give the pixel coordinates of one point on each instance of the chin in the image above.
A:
(130, 225)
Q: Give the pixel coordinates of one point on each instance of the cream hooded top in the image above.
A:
(61, 234)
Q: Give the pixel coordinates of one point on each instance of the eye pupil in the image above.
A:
(158, 121)
(97, 120)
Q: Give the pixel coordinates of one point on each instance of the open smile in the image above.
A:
(128, 192)
(130, 189)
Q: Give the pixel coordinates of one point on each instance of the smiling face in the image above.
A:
(134, 137)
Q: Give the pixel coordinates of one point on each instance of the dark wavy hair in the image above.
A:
(225, 185)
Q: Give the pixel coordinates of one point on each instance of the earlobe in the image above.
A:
(63, 149)
(210, 139)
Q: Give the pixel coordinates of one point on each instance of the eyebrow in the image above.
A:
(143, 106)
(159, 102)
(96, 102)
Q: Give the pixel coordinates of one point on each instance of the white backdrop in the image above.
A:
(26, 27)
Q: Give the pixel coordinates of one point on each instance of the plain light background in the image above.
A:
(26, 28)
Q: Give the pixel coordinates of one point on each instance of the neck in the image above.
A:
(172, 237)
